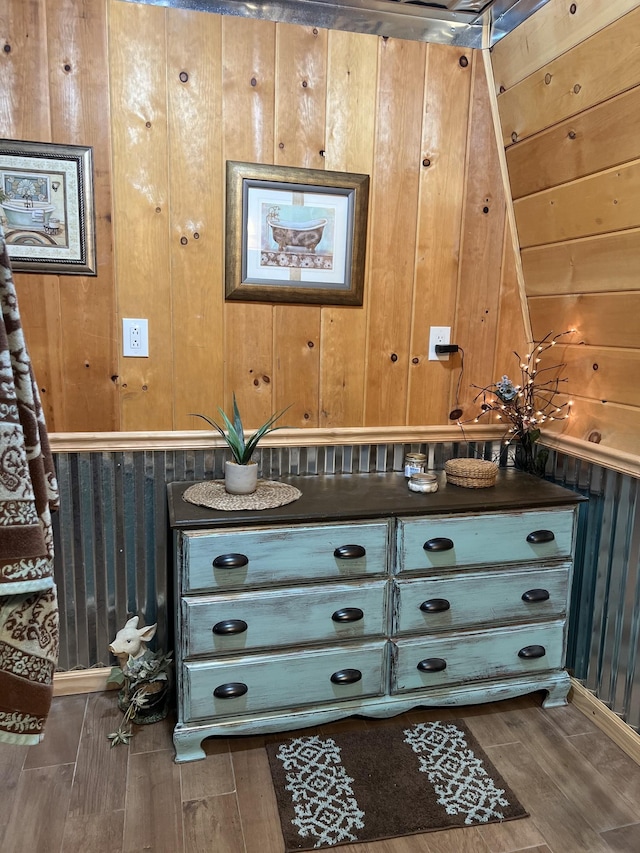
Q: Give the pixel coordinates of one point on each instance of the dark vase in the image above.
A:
(529, 456)
(155, 709)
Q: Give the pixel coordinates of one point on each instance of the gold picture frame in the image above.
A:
(295, 235)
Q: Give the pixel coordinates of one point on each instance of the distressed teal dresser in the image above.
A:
(363, 597)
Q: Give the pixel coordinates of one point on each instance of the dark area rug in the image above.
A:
(384, 782)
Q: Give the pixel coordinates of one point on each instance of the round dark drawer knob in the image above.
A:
(233, 690)
(432, 665)
(230, 561)
(440, 543)
(230, 626)
(532, 596)
(532, 652)
(349, 552)
(348, 614)
(539, 537)
(435, 605)
(346, 676)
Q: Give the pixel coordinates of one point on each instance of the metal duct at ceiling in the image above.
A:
(468, 23)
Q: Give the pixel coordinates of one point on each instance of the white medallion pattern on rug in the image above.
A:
(321, 791)
(457, 775)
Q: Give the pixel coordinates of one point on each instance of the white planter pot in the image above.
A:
(240, 479)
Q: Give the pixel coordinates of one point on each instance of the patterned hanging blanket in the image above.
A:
(28, 494)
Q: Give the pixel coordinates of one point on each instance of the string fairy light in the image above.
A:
(528, 405)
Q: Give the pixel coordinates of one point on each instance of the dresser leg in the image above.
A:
(188, 746)
(557, 691)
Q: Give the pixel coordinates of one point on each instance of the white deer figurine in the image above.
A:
(130, 641)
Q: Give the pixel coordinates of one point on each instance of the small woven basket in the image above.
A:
(471, 473)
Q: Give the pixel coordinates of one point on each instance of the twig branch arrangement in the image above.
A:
(525, 407)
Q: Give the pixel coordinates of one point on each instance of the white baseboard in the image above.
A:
(610, 723)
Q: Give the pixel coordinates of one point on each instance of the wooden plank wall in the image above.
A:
(568, 95)
(165, 97)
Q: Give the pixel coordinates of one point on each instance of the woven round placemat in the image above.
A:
(268, 494)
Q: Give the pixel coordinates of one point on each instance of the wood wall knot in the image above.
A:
(253, 81)
(183, 241)
(394, 357)
(426, 162)
(573, 8)
(572, 134)
(595, 437)
(463, 61)
(183, 76)
(576, 88)
(547, 79)
(7, 48)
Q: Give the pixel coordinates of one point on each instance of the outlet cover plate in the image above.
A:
(135, 337)
(439, 335)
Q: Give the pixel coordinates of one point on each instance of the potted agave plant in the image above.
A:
(241, 472)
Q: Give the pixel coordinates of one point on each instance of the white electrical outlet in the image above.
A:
(135, 337)
(439, 335)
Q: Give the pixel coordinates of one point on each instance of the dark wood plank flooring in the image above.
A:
(75, 794)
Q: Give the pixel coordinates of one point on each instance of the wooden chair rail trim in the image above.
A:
(105, 442)
(86, 442)
(598, 454)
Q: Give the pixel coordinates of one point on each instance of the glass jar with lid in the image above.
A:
(414, 463)
(423, 483)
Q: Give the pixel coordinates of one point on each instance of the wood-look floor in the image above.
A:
(74, 793)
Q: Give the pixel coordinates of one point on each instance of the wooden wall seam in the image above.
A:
(576, 197)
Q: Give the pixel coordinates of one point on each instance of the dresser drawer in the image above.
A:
(258, 683)
(284, 617)
(268, 556)
(442, 542)
(476, 656)
(456, 601)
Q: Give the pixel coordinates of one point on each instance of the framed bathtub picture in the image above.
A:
(47, 207)
(295, 235)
